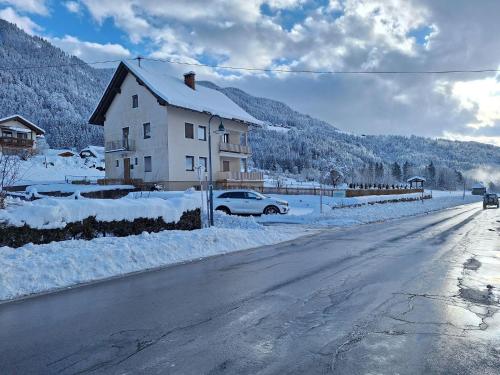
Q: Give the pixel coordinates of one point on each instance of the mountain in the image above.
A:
(311, 143)
(59, 100)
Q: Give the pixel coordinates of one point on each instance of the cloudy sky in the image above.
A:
(339, 35)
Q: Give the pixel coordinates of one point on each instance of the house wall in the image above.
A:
(120, 115)
(180, 146)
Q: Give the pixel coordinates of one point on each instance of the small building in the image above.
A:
(478, 189)
(416, 180)
(66, 153)
(92, 152)
(18, 134)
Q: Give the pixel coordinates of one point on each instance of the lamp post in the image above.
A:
(220, 130)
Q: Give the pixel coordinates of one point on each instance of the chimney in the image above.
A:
(189, 79)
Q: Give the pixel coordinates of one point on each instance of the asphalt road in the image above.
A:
(412, 296)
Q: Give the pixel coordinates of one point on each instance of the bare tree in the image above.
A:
(9, 174)
(335, 176)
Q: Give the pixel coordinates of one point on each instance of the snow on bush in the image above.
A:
(52, 213)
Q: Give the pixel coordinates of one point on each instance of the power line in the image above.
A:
(264, 70)
(307, 71)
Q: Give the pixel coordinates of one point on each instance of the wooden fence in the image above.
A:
(349, 193)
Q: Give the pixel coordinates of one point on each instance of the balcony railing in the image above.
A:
(231, 147)
(121, 145)
(16, 142)
(240, 176)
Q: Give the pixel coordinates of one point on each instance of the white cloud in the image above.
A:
(24, 23)
(29, 6)
(480, 96)
(72, 6)
(89, 51)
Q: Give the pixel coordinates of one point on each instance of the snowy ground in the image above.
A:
(305, 209)
(50, 168)
(38, 268)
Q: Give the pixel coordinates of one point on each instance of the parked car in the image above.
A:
(248, 202)
(490, 199)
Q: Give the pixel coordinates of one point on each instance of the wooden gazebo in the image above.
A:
(416, 180)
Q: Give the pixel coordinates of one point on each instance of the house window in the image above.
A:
(243, 165)
(136, 161)
(188, 130)
(6, 133)
(147, 130)
(225, 166)
(147, 164)
(22, 135)
(202, 161)
(243, 139)
(125, 133)
(225, 138)
(202, 133)
(189, 163)
(135, 101)
(117, 163)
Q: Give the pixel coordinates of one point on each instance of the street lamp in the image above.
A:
(220, 130)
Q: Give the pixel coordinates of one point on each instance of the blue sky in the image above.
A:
(306, 34)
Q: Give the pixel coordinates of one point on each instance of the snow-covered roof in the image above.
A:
(16, 129)
(173, 91)
(478, 185)
(416, 178)
(94, 150)
(22, 120)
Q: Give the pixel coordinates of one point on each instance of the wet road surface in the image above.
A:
(411, 296)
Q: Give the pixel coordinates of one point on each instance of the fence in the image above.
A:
(328, 192)
(363, 192)
(84, 180)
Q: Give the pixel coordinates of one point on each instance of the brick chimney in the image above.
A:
(190, 80)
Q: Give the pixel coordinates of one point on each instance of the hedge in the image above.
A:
(90, 228)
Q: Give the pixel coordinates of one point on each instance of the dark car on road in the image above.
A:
(490, 200)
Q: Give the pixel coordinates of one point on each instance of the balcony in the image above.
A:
(240, 176)
(120, 145)
(16, 142)
(234, 148)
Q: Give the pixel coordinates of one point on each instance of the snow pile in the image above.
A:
(37, 268)
(52, 213)
(73, 188)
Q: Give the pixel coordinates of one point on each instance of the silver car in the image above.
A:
(248, 202)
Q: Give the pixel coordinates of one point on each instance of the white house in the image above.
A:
(156, 130)
(18, 134)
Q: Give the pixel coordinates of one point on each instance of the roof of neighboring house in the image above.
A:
(416, 179)
(172, 91)
(478, 186)
(97, 151)
(22, 120)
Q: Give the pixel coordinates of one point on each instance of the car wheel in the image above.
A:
(271, 210)
(226, 210)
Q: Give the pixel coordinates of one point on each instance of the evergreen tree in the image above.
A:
(406, 170)
(431, 174)
(396, 171)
